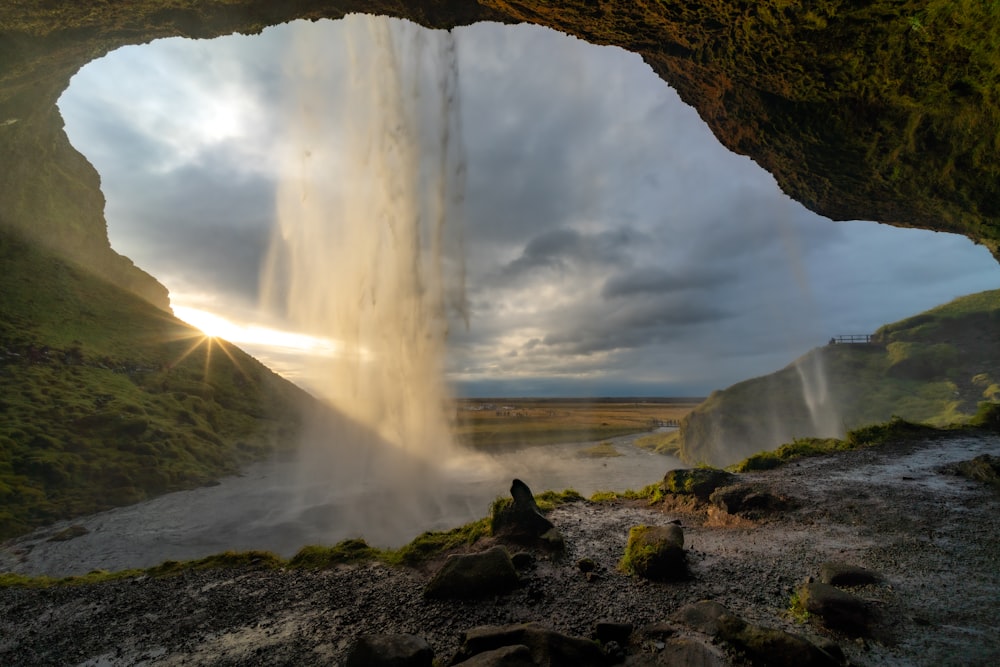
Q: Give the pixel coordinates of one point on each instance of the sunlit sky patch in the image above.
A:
(613, 246)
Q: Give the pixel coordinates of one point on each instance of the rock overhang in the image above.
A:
(860, 112)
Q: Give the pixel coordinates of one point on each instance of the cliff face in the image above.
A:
(880, 110)
(934, 367)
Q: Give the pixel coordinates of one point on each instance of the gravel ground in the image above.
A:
(934, 536)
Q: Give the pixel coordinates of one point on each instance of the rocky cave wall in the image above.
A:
(881, 110)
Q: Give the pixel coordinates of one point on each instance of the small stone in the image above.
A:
(586, 565)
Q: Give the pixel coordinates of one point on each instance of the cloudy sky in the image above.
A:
(612, 246)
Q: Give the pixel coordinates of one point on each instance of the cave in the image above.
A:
(859, 111)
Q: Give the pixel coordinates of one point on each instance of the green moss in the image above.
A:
(895, 430)
(654, 552)
(319, 557)
(549, 500)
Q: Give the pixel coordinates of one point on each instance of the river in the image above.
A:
(264, 508)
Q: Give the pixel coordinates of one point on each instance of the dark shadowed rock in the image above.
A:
(609, 631)
(749, 500)
(522, 522)
(702, 616)
(680, 652)
(699, 482)
(474, 575)
(518, 655)
(547, 647)
(390, 651)
(837, 609)
(772, 647)
(523, 560)
(842, 574)
(656, 552)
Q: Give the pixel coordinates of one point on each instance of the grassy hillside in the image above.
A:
(106, 400)
(933, 368)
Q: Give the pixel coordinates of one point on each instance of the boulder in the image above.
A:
(390, 651)
(699, 482)
(681, 652)
(610, 631)
(546, 647)
(837, 609)
(702, 616)
(656, 552)
(836, 573)
(475, 575)
(517, 655)
(772, 647)
(749, 500)
(522, 522)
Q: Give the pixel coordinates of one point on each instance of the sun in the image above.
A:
(210, 324)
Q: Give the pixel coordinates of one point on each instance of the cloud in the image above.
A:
(611, 245)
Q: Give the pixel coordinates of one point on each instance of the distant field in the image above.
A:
(486, 423)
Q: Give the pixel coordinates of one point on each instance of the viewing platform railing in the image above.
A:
(852, 339)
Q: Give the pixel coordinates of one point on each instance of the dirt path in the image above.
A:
(934, 536)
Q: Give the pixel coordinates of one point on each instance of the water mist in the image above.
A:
(823, 410)
(368, 253)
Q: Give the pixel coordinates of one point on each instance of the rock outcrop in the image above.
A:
(860, 111)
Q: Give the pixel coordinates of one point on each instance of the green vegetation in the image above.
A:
(652, 493)
(602, 450)
(797, 609)
(668, 443)
(895, 430)
(514, 422)
(934, 368)
(107, 400)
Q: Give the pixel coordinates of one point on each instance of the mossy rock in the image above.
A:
(699, 482)
(656, 552)
(771, 646)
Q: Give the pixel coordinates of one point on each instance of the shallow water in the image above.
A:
(269, 507)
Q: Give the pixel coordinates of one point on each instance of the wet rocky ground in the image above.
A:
(934, 537)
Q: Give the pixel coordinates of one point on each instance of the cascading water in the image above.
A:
(367, 252)
(822, 406)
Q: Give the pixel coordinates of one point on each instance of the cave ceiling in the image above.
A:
(882, 111)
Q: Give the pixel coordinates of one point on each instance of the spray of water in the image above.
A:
(822, 406)
(367, 252)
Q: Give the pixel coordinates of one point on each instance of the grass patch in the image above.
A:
(895, 430)
(106, 400)
(652, 493)
(508, 422)
(668, 443)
